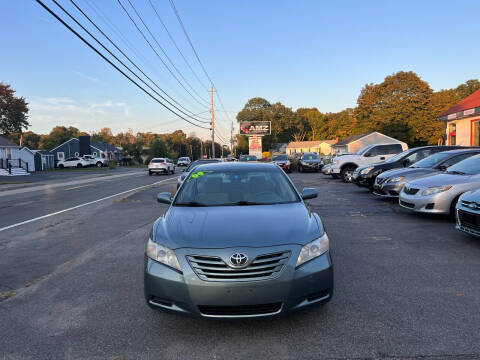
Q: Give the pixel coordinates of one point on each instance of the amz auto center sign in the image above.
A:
(258, 128)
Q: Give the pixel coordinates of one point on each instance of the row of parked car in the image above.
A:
(428, 179)
(82, 161)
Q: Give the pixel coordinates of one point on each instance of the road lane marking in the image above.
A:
(85, 204)
(78, 187)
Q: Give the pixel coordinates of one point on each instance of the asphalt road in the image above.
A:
(406, 286)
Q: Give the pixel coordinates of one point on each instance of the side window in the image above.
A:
(384, 150)
(372, 152)
(422, 154)
(394, 149)
(60, 156)
(456, 159)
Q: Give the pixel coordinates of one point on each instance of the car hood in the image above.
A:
(313, 161)
(445, 179)
(407, 173)
(237, 226)
(472, 196)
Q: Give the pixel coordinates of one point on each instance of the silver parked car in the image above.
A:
(216, 254)
(468, 213)
(439, 193)
(390, 183)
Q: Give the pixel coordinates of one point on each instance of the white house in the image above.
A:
(357, 142)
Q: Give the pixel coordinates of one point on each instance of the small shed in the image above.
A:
(43, 160)
(27, 159)
(323, 147)
(355, 143)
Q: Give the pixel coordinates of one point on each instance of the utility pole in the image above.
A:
(231, 139)
(213, 122)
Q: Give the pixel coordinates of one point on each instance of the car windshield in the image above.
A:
(365, 149)
(431, 161)
(280, 158)
(183, 158)
(248, 158)
(310, 157)
(470, 166)
(399, 156)
(200, 162)
(236, 187)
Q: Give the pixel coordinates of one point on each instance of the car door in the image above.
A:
(69, 162)
(374, 155)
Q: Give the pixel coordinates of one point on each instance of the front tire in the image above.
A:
(61, 166)
(79, 166)
(347, 174)
(99, 164)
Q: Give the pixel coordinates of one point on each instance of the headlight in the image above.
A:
(435, 190)
(162, 254)
(313, 249)
(366, 170)
(396, 179)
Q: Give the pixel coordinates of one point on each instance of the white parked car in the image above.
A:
(96, 161)
(77, 162)
(161, 166)
(183, 161)
(345, 165)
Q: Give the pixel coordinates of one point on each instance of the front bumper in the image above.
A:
(185, 293)
(467, 220)
(433, 204)
(311, 166)
(388, 190)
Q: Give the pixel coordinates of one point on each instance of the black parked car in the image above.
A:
(366, 175)
(310, 162)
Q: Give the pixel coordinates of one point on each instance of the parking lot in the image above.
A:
(406, 286)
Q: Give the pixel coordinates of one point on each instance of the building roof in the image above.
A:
(309, 144)
(351, 139)
(470, 102)
(6, 142)
(103, 146)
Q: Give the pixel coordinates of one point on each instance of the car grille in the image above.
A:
(469, 220)
(263, 267)
(410, 191)
(471, 204)
(380, 181)
(241, 310)
(407, 204)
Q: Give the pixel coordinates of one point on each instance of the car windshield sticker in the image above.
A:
(310, 157)
(197, 174)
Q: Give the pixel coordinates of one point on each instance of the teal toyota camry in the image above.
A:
(237, 241)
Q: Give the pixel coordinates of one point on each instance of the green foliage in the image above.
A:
(13, 111)
(403, 106)
(159, 149)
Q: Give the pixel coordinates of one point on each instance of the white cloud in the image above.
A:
(87, 77)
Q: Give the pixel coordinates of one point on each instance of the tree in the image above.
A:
(59, 135)
(399, 107)
(159, 149)
(104, 135)
(13, 111)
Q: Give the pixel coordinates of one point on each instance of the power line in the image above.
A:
(86, 42)
(164, 52)
(172, 4)
(158, 55)
(176, 46)
(128, 58)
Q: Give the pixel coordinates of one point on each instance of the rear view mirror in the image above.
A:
(164, 198)
(309, 193)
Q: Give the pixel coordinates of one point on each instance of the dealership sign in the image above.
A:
(255, 146)
(255, 128)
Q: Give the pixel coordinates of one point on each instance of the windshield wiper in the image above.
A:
(455, 172)
(190, 203)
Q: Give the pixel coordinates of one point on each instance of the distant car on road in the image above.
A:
(365, 175)
(183, 161)
(192, 166)
(248, 158)
(215, 253)
(345, 165)
(390, 183)
(468, 213)
(438, 194)
(76, 162)
(161, 166)
(310, 162)
(283, 162)
(95, 160)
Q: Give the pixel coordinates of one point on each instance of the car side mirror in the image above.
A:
(442, 168)
(406, 162)
(164, 198)
(309, 193)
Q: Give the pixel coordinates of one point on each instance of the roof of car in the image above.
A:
(459, 151)
(237, 166)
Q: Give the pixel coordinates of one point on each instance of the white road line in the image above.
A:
(82, 205)
(77, 187)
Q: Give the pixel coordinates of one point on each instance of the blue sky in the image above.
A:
(301, 53)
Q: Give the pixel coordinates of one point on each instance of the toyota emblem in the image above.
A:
(238, 260)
